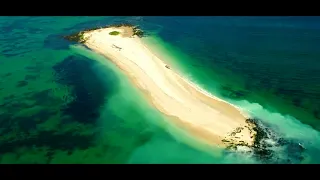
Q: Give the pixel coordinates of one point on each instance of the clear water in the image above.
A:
(62, 103)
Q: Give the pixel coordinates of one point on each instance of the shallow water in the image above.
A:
(61, 103)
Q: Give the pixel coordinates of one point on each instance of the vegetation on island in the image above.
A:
(114, 33)
(136, 31)
(79, 36)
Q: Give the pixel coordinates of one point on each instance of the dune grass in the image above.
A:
(114, 33)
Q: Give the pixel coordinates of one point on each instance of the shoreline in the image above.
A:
(194, 85)
(209, 119)
(150, 46)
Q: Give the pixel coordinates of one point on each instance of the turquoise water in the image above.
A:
(61, 103)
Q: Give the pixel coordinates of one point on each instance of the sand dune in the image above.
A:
(189, 107)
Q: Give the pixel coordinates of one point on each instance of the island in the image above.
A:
(204, 116)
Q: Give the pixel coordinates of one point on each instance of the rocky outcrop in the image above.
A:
(79, 36)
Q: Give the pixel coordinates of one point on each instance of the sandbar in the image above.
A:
(202, 115)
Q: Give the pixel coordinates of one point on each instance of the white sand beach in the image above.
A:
(200, 114)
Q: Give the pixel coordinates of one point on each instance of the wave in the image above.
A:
(287, 140)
